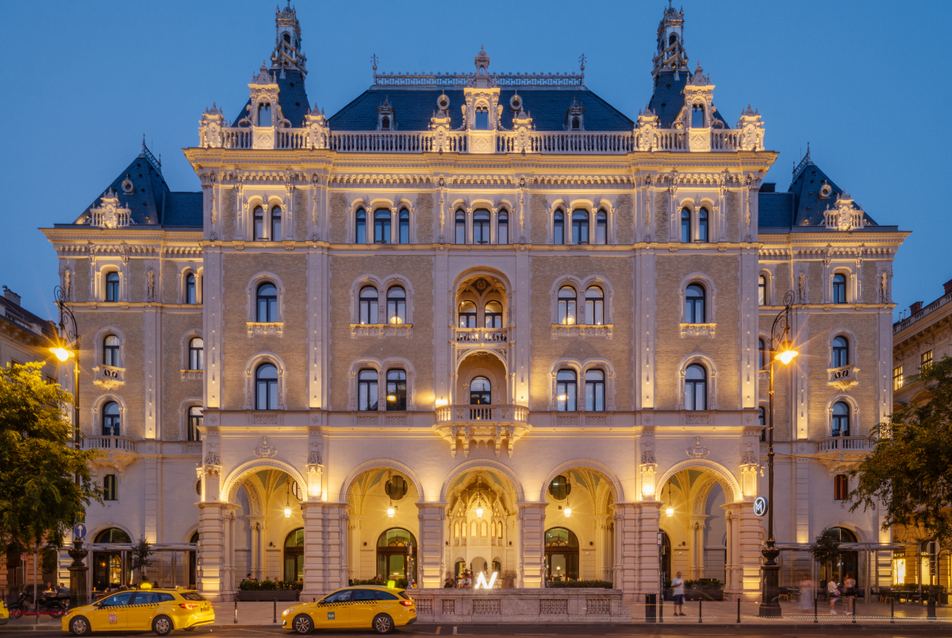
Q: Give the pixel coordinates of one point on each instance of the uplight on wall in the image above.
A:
(441, 402)
(568, 511)
(391, 511)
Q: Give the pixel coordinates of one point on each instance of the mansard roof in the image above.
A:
(149, 198)
(667, 99)
(413, 107)
(291, 97)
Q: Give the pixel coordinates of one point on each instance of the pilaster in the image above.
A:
(531, 518)
(430, 555)
(442, 353)
(211, 551)
(523, 283)
(746, 540)
(325, 548)
(211, 326)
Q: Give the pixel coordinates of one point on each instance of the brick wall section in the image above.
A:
(337, 221)
(539, 219)
(624, 219)
(427, 227)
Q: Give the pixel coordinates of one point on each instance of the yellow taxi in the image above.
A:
(379, 608)
(159, 610)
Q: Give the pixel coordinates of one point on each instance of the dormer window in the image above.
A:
(385, 123)
(697, 116)
(385, 119)
(481, 122)
(264, 114)
(575, 117)
(576, 124)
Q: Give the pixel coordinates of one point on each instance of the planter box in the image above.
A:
(704, 594)
(247, 595)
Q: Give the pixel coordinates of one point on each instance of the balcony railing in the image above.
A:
(845, 444)
(122, 443)
(496, 413)
(482, 335)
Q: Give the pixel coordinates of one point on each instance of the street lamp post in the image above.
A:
(64, 351)
(779, 347)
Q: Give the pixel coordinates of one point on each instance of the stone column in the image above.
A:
(747, 542)
(211, 551)
(254, 522)
(432, 531)
(325, 548)
(230, 516)
(729, 556)
(532, 539)
(698, 524)
(354, 536)
(636, 527)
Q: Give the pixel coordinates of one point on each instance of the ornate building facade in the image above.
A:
(478, 320)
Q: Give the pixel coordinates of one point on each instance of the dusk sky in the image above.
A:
(865, 83)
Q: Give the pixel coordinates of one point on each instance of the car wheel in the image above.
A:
(302, 624)
(162, 625)
(79, 626)
(383, 624)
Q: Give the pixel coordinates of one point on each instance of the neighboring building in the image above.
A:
(922, 337)
(24, 338)
(475, 320)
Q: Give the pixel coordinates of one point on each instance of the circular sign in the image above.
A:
(79, 531)
(760, 506)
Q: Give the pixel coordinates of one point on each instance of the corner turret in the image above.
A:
(671, 55)
(287, 42)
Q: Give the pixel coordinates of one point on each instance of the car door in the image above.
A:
(334, 611)
(141, 611)
(363, 608)
(111, 613)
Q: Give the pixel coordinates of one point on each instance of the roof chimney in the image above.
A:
(916, 307)
(948, 286)
(11, 296)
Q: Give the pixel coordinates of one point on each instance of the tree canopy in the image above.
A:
(910, 470)
(44, 481)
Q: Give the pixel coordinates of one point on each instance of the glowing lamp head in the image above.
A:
(396, 319)
(61, 353)
(287, 512)
(562, 397)
(391, 398)
(787, 354)
(479, 512)
(669, 512)
(391, 511)
(568, 511)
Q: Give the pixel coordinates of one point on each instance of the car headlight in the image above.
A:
(287, 611)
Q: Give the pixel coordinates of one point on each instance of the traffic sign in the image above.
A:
(760, 506)
(79, 531)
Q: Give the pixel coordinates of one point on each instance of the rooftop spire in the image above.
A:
(670, 55)
(287, 43)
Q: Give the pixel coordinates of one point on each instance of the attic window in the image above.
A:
(575, 124)
(482, 119)
(264, 114)
(385, 123)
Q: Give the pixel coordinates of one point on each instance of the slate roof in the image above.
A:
(802, 205)
(667, 98)
(413, 108)
(151, 202)
(291, 96)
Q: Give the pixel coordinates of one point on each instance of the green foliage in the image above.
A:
(704, 584)
(48, 559)
(826, 548)
(270, 585)
(910, 470)
(44, 482)
(577, 584)
(141, 553)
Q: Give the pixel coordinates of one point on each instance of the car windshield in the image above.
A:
(339, 597)
(117, 600)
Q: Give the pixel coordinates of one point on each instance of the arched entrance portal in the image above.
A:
(848, 560)
(110, 564)
(294, 556)
(396, 554)
(561, 554)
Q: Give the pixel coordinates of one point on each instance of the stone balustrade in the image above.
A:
(845, 444)
(555, 605)
(122, 443)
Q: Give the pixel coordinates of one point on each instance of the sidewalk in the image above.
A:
(261, 614)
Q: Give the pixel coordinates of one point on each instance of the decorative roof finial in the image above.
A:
(581, 62)
(374, 59)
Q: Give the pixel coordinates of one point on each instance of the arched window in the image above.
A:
(276, 223)
(396, 553)
(566, 391)
(595, 391)
(575, 123)
(492, 314)
(266, 387)
(360, 226)
(396, 390)
(695, 387)
(762, 420)
(368, 305)
(580, 227)
(194, 422)
(396, 305)
(294, 556)
(110, 351)
(480, 391)
(694, 311)
(196, 353)
(111, 419)
(456, 529)
(594, 306)
(481, 227)
(567, 315)
(558, 228)
(762, 290)
(460, 227)
(112, 286)
(702, 222)
(561, 554)
(112, 535)
(404, 226)
(763, 355)
(685, 226)
(190, 289)
(840, 424)
(467, 315)
(482, 119)
(841, 352)
(502, 227)
(264, 114)
(839, 288)
(697, 116)
(381, 226)
(601, 227)
(385, 123)
(367, 390)
(259, 224)
(267, 303)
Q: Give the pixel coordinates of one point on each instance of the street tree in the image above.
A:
(45, 482)
(909, 472)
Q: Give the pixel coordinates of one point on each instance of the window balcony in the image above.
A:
(840, 444)
(109, 377)
(119, 443)
(481, 336)
(115, 453)
(843, 378)
(463, 425)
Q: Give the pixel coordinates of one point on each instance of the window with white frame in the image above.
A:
(567, 306)
(558, 227)
(382, 226)
(266, 299)
(762, 290)
(840, 419)
(601, 227)
(111, 351)
(467, 314)
(492, 314)
(360, 226)
(396, 305)
(695, 387)
(404, 226)
(460, 227)
(266, 387)
(112, 286)
(367, 301)
(763, 355)
(258, 231)
(191, 289)
(196, 353)
(694, 304)
(276, 223)
(839, 288)
(481, 227)
(194, 423)
(502, 227)
(111, 419)
(839, 352)
(367, 390)
(580, 227)
(594, 391)
(897, 378)
(702, 225)
(396, 390)
(925, 360)
(594, 306)
(566, 390)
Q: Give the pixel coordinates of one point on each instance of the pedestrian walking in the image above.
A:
(833, 591)
(849, 592)
(806, 593)
(678, 586)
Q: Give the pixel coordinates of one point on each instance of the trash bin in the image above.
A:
(651, 607)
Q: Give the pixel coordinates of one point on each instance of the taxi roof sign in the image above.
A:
(391, 584)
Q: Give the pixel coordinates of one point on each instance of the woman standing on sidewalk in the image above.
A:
(833, 591)
(849, 587)
(806, 593)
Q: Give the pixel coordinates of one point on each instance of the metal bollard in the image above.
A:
(236, 611)
(275, 618)
(854, 609)
(661, 608)
(738, 611)
(892, 611)
(700, 610)
(815, 599)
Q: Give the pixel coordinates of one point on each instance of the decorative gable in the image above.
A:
(844, 214)
(110, 214)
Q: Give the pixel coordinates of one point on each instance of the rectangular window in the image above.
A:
(897, 378)
(925, 360)
(841, 487)
(109, 488)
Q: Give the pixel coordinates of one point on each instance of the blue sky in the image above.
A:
(866, 83)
